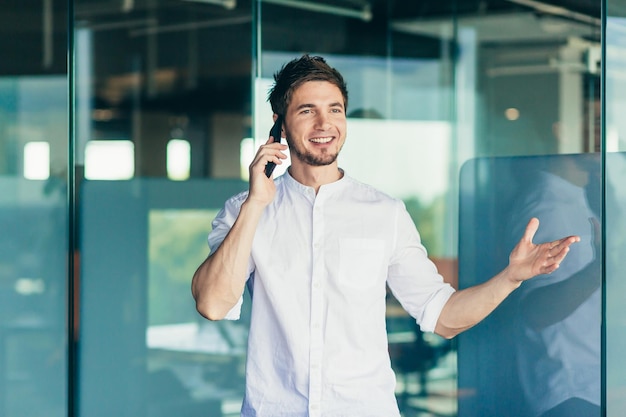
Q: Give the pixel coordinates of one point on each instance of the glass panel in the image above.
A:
(536, 142)
(142, 340)
(615, 204)
(33, 209)
(162, 107)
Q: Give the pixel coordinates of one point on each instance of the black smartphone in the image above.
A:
(275, 132)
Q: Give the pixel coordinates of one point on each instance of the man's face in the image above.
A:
(315, 123)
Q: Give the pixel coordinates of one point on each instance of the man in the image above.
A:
(317, 249)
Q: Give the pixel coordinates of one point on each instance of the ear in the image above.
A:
(282, 129)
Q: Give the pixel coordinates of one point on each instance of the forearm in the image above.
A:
(220, 280)
(468, 307)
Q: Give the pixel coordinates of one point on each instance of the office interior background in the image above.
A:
(125, 124)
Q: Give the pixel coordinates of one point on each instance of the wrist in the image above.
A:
(511, 278)
(253, 205)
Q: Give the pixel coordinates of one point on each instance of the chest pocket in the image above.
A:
(361, 262)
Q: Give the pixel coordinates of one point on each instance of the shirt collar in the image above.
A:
(325, 189)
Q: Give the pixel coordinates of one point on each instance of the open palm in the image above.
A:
(528, 259)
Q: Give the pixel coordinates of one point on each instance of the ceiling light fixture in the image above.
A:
(558, 11)
(364, 14)
(227, 4)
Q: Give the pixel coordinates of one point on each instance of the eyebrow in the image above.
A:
(310, 105)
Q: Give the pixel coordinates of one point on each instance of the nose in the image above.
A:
(322, 121)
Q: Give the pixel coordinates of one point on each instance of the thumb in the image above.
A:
(531, 229)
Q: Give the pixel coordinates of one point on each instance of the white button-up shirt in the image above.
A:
(318, 273)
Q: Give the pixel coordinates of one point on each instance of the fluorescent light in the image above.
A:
(551, 9)
(364, 14)
(109, 160)
(178, 159)
(37, 160)
(227, 4)
(29, 286)
(247, 150)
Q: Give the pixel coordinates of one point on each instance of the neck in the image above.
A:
(315, 177)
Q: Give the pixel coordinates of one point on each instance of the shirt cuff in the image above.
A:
(434, 307)
(235, 312)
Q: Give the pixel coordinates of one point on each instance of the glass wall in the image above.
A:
(615, 203)
(536, 154)
(34, 212)
(163, 105)
(477, 114)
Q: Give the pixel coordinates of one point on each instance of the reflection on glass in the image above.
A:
(544, 341)
(559, 315)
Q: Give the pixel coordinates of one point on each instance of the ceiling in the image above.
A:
(200, 51)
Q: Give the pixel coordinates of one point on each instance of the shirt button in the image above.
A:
(316, 284)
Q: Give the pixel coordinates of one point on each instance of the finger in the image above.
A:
(270, 148)
(566, 242)
(559, 244)
(531, 229)
(550, 268)
(559, 256)
(267, 155)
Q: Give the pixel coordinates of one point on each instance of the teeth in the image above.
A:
(321, 140)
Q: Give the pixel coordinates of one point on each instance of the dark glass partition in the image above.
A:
(541, 349)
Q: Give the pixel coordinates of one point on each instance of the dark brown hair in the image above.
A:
(298, 71)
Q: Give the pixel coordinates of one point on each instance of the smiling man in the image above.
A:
(317, 249)
(318, 123)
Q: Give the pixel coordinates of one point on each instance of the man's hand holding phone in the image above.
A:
(275, 133)
(261, 185)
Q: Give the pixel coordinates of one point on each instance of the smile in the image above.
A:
(321, 140)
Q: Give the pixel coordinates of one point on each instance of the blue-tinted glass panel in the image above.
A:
(34, 248)
(615, 196)
(142, 342)
(540, 350)
(148, 73)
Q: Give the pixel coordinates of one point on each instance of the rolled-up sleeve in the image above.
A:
(221, 225)
(413, 278)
